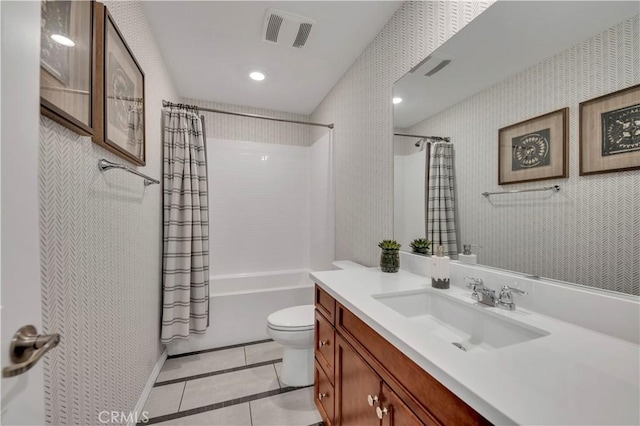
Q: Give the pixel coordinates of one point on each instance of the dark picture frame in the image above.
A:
(119, 93)
(610, 132)
(534, 149)
(67, 73)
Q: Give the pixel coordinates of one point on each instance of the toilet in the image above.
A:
(293, 328)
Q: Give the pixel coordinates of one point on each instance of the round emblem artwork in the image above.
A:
(621, 130)
(532, 150)
(121, 89)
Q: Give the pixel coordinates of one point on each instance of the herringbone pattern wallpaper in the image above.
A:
(100, 239)
(589, 232)
(360, 106)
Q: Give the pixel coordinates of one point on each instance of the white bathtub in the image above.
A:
(240, 303)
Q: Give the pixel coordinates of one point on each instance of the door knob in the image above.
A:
(372, 399)
(27, 347)
(381, 412)
(322, 343)
(321, 396)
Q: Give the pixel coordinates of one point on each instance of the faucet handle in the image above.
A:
(507, 290)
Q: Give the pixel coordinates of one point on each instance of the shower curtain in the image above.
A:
(441, 226)
(185, 268)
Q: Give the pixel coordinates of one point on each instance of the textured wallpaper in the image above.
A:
(360, 106)
(224, 126)
(589, 232)
(100, 236)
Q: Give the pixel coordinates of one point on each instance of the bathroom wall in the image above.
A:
(360, 106)
(588, 233)
(100, 241)
(224, 126)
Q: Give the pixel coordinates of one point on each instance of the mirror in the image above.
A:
(514, 62)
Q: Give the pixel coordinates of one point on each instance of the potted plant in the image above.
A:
(420, 245)
(390, 257)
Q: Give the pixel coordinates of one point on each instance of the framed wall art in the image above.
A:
(119, 92)
(66, 63)
(535, 149)
(610, 132)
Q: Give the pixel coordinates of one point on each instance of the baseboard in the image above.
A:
(147, 390)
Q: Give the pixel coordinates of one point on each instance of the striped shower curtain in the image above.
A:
(441, 224)
(185, 267)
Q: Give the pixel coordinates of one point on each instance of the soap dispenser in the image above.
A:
(466, 256)
(440, 269)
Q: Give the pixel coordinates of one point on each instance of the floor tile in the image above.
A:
(263, 352)
(164, 400)
(192, 365)
(224, 387)
(290, 408)
(235, 415)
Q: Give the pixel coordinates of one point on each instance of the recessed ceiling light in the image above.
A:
(65, 41)
(397, 100)
(256, 75)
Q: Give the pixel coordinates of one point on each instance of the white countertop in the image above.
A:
(573, 376)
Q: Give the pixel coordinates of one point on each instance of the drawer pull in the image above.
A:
(381, 412)
(322, 343)
(372, 399)
(321, 396)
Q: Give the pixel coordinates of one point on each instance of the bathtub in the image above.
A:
(240, 303)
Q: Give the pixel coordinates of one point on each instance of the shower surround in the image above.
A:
(271, 222)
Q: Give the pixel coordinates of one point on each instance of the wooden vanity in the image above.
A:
(362, 379)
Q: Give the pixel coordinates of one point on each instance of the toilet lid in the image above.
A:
(296, 318)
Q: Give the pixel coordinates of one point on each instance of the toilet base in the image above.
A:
(297, 367)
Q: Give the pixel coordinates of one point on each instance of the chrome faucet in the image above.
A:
(487, 296)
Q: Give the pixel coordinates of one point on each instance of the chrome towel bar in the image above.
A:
(105, 165)
(554, 188)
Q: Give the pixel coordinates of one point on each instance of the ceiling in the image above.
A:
(505, 39)
(210, 47)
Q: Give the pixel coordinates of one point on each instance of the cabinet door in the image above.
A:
(393, 412)
(355, 383)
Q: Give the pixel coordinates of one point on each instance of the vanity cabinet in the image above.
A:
(362, 379)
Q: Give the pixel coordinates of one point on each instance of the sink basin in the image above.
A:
(468, 327)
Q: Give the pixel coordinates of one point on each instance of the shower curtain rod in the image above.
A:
(240, 114)
(433, 138)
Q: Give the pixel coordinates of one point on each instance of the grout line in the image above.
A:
(182, 397)
(244, 350)
(222, 404)
(239, 345)
(218, 372)
(277, 377)
(250, 414)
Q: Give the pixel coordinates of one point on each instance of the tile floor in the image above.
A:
(237, 385)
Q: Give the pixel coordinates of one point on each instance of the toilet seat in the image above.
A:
(297, 318)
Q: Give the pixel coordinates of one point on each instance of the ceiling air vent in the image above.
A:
(286, 29)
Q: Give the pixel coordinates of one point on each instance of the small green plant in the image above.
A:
(420, 245)
(389, 245)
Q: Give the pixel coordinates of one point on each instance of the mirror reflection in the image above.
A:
(448, 111)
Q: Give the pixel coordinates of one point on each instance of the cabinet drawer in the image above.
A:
(431, 401)
(325, 304)
(325, 337)
(324, 395)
